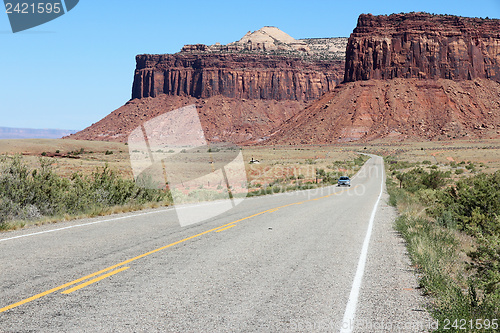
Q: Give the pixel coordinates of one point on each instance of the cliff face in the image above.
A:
(420, 45)
(416, 76)
(234, 75)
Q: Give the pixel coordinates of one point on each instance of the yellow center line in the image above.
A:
(226, 228)
(48, 292)
(80, 286)
(45, 293)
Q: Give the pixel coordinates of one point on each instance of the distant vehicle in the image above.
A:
(344, 181)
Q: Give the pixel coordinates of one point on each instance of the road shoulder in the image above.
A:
(390, 300)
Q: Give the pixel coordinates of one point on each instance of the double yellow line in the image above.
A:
(112, 270)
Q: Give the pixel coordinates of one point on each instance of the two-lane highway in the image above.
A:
(306, 261)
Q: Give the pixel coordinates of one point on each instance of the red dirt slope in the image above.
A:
(399, 109)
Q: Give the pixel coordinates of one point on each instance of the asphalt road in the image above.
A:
(309, 261)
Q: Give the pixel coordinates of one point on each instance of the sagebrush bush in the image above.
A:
(470, 206)
(32, 194)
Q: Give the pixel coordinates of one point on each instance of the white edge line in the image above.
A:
(350, 310)
(171, 208)
(82, 225)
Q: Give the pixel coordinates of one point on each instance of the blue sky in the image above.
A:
(73, 71)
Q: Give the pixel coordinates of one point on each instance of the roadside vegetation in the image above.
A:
(294, 179)
(37, 195)
(450, 219)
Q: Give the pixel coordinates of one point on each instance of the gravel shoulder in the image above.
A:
(390, 299)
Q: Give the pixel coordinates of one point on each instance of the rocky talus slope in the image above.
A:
(224, 119)
(398, 109)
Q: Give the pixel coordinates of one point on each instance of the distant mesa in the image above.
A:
(273, 41)
(29, 133)
(412, 76)
(242, 90)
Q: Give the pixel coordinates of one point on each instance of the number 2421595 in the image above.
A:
(39, 8)
(478, 324)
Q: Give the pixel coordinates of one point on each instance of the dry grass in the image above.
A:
(485, 151)
(71, 156)
(281, 162)
(273, 160)
(94, 154)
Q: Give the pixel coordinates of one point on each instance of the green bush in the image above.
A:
(32, 194)
(475, 204)
(417, 179)
(472, 205)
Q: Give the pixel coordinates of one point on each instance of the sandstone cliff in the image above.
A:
(250, 76)
(421, 45)
(416, 76)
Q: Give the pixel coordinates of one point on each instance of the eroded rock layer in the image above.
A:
(421, 45)
(235, 76)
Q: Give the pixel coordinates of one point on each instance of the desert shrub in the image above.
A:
(462, 289)
(417, 179)
(31, 194)
(397, 165)
(475, 204)
(435, 179)
(320, 173)
(360, 160)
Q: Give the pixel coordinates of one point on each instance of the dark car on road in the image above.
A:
(344, 181)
